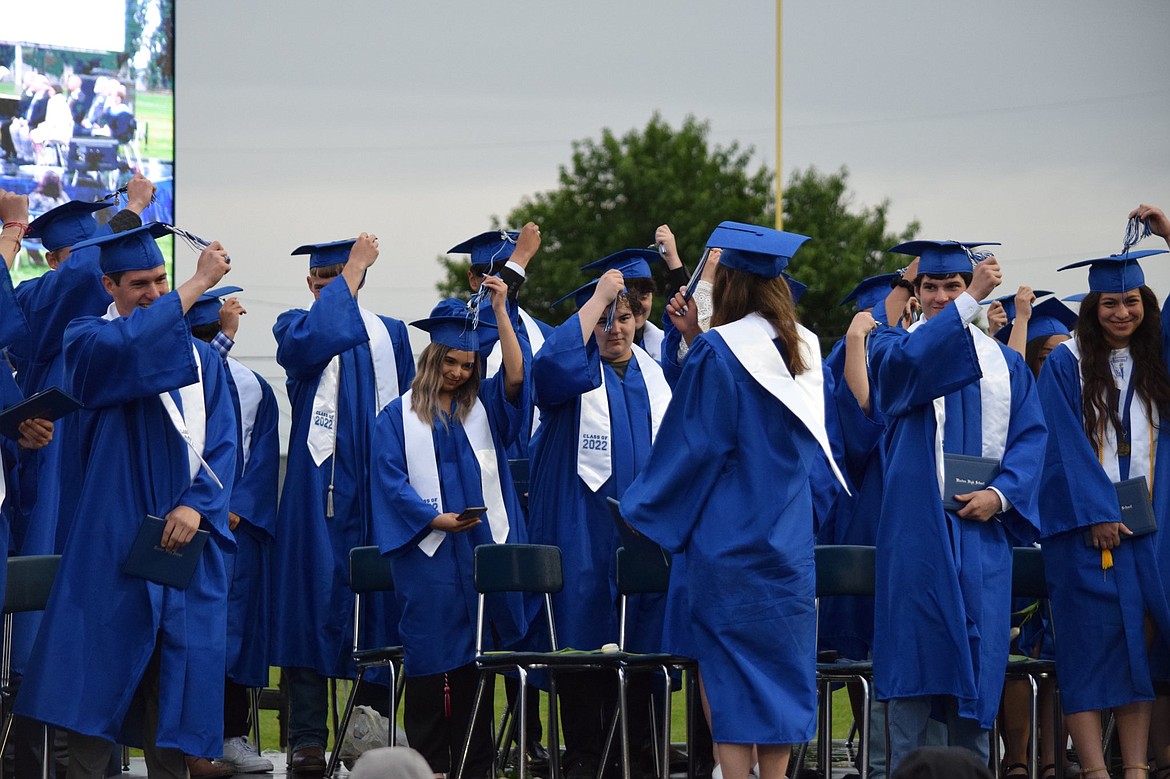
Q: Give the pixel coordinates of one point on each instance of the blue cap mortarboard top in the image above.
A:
(871, 292)
(450, 324)
(205, 310)
(1009, 302)
(631, 269)
(633, 263)
(942, 258)
(1049, 317)
(1075, 298)
(130, 249)
(67, 224)
(752, 249)
(1117, 272)
(488, 249)
(797, 288)
(324, 254)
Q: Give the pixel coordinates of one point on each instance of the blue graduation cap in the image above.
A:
(1049, 317)
(1009, 302)
(752, 249)
(631, 269)
(633, 263)
(1117, 272)
(870, 292)
(130, 249)
(67, 224)
(324, 254)
(489, 251)
(452, 325)
(797, 288)
(943, 258)
(205, 310)
(1075, 298)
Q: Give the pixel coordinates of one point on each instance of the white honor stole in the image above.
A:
(751, 343)
(422, 469)
(249, 393)
(322, 435)
(535, 340)
(1142, 447)
(652, 336)
(191, 421)
(594, 455)
(995, 402)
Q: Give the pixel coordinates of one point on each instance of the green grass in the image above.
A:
(270, 733)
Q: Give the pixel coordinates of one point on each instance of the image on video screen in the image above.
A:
(86, 101)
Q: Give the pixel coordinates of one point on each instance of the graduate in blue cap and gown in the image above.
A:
(344, 365)
(640, 284)
(440, 449)
(601, 400)
(727, 489)
(507, 253)
(118, 658)
(943, 600)
(1104, 393)
(252, 517)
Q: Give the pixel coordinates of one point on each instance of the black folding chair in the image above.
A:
(842, 570)
(1028, 582)
(644, 568)
(30, 579)
(369, 572)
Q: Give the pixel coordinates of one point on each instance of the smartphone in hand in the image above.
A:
(471, 512)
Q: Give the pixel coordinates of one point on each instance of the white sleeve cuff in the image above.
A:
(515, 267)
(967, 307)
(1004, 503)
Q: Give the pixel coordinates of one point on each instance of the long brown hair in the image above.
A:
(424, 397)
(1099, 394)
(737, 294)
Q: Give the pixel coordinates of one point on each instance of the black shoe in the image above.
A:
(537, 755)
(308, 761)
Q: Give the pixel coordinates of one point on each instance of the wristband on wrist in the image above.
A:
(21, 225)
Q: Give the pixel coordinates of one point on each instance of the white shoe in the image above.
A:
(241, 755)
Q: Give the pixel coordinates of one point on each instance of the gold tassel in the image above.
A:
(1106, 560)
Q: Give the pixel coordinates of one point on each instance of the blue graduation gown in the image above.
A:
(254, 500)
(48, 304)
(101, 626)
(437, 594)
(312, 606)
(10, 457)
(1097, 615)
(728, 489)
(564, 512)
(942, 611)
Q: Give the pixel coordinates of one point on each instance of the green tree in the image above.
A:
(848, 244)
(616, 191)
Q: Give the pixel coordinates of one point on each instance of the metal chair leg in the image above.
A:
(339, 730)
(458, 772)
(254, 703)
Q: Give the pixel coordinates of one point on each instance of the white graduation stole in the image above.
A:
(652, 336)
(1142, 447)
(995, 401)
(422, 469)
(751, 343)
(191, 422)
(535, 340)
(594, 455)
(322, 434)
(249, 393)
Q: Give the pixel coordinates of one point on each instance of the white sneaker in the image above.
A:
(241, 755)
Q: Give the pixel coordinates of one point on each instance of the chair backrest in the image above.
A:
(642, 569)
(369, 571)
(30, 579)
(845, 570)
(518, 568)
(1028, 573)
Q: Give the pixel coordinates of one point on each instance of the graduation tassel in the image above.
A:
(1106, 560)
(446, 697)
(329, 503)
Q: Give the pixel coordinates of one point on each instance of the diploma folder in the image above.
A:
(964, 473)
(149, 560)
(51, 404)
(1137, 513)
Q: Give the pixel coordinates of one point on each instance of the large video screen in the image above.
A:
(86, 101)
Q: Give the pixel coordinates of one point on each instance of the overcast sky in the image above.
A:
(1038, 124)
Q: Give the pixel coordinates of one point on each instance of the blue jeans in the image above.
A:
(308, 705)
(909, 721)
